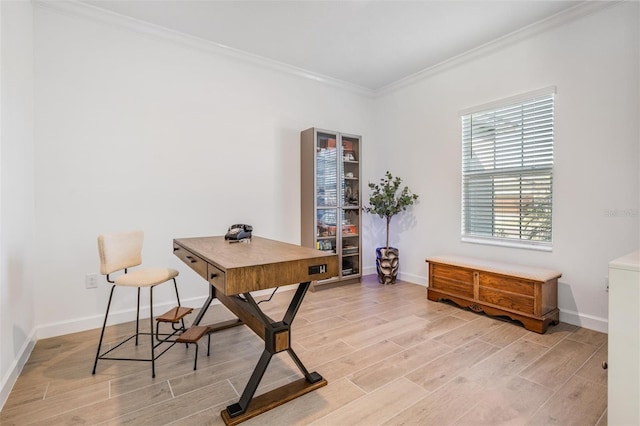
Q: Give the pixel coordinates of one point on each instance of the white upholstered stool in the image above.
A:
(119, 252)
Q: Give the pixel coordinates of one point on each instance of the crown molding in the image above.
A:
(576, 12)
(78, 9)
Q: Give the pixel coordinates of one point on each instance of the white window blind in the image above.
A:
(507, 171)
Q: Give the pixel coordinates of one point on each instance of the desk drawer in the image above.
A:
(217, 278)
(194, 262)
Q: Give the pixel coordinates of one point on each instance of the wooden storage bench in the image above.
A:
(522, 293)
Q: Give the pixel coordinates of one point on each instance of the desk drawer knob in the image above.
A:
(176, 248)
(213, 276)
(191, 259)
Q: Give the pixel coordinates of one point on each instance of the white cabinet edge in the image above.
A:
(629, 262)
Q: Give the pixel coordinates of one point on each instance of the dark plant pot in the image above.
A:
(387, 262)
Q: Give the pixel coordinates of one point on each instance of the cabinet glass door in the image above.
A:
(326, 170)
(327, 230)
(350, 239)
(350, 202)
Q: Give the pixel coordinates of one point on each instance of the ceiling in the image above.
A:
(370, 44)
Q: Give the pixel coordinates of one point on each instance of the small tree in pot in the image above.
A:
(387, 200)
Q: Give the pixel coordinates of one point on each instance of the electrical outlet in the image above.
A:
(91, 281)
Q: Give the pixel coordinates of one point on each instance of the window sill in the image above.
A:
(505, 243)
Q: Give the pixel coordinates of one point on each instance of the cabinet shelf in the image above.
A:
(330, 199)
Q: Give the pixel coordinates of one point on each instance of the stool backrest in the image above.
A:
(120, 250)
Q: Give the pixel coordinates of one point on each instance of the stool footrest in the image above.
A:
(175, 314)
(193, 334)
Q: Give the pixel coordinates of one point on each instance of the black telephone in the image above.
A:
(239, 232)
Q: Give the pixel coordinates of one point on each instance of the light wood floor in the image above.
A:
(390, 356)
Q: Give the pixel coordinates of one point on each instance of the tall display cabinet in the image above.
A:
(330, 199)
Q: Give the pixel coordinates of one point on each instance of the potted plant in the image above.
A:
(387, 200)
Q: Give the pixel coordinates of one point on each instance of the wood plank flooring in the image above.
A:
(391, 358)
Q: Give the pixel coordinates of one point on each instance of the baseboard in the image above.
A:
(16, 368)
(369, 270)
(402, 276)
(583, 320)
(115, 317)
(118, 317)
(412, 278)
(570, 317)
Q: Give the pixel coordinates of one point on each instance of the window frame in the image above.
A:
(538, 173)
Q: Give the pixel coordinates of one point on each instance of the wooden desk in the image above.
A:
(233, 270)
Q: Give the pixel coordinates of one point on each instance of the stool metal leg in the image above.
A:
(175, 286)
(104, 324)
(153, 357)
(138, 317)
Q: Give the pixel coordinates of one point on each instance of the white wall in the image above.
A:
(17, 310)
(137, 131)
(593, 62)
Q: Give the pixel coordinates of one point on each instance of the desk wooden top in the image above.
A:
(259, 264)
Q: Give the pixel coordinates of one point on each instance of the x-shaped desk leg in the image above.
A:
(277, 339)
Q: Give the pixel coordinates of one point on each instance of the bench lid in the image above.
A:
(504, 268)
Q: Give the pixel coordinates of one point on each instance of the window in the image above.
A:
(507, 171)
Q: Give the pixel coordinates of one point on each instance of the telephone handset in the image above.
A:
(238, 232)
